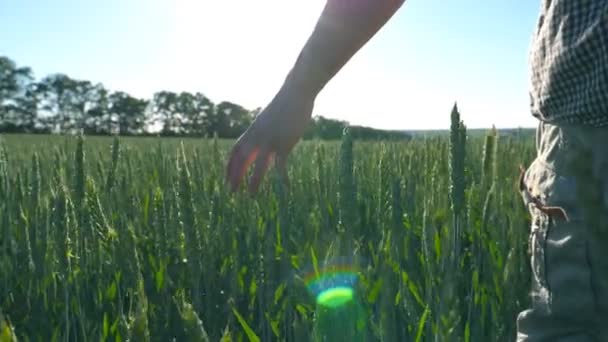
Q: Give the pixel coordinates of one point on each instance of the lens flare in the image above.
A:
(335, 297)
(333, 285)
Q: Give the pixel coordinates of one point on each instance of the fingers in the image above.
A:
(241, 158)
(244, 153)
(234, 155)
(281, 164)
(260, 168)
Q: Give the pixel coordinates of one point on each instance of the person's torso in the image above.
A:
(569, 62)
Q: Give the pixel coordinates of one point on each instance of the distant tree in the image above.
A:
(165, 112)
(217, 121)
(254, 113)
(367, 133)
(229, 120)
(186, 111)
(196, 110)
(126, 114)
(96, 110)
(20, 113)
(328, 129)
(56, 97)
(27, 109)
(69, 105)
(84, 98)
(15, 107)
(59, 103)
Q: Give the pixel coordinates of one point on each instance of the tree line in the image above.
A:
(58, 103)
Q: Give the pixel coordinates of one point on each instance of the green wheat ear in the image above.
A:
(457, 161)
(79, 172)
(346, 182)
(111, 180)
(4, 174)
(489, 158)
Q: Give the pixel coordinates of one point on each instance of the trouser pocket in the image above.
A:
(537, 246)
(561, 271)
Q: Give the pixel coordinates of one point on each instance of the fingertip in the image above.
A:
(231, 161)
(261, 166)
(228, 173)
(242, 161)
(230, 180)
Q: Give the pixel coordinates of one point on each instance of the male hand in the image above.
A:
(273, 134)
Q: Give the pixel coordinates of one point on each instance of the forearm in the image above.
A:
(343, 28)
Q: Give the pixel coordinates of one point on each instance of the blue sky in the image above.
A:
(431, 54)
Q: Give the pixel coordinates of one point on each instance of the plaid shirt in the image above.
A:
(569, 61)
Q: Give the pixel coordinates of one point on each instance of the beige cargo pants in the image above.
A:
(566, 192)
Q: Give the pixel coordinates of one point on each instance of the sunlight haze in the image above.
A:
(430, 55)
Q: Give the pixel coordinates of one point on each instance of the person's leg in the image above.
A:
(596, 197)
(568, 273)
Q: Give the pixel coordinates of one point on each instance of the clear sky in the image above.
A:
(431, 54)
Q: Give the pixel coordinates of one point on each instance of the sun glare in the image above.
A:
(239, 50)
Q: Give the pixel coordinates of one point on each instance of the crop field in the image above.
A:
(139, 239)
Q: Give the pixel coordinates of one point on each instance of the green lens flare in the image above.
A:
(335, 297)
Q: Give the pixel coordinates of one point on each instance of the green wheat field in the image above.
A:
(139, 239)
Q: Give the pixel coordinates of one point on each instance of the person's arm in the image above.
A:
(342, 29)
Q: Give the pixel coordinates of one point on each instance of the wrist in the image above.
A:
(301, 84)
(308, 75)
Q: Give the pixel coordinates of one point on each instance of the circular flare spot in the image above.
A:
(335, 297)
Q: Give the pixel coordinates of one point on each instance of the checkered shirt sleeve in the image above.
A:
(569, 63)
